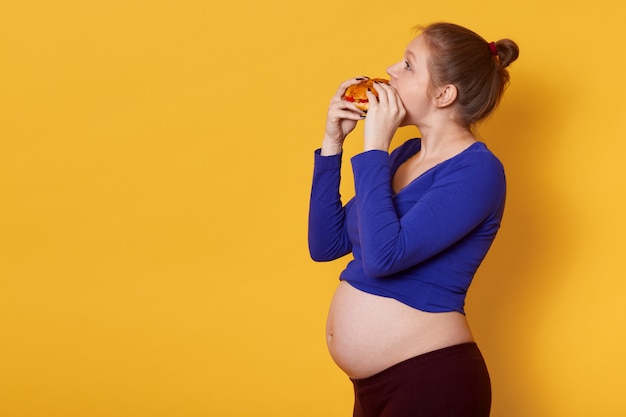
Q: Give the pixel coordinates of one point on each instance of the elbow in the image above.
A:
(325, 250)
(381, 264)
(318, 256)
(324, 254)
(377, 269)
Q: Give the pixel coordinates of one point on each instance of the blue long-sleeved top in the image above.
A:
(421, 246)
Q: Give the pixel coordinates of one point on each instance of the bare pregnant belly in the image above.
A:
(367, 333)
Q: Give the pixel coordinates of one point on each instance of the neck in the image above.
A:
(444, 139)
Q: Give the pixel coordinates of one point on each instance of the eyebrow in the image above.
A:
(410, 55)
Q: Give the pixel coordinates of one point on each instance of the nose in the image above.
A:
(391, 70)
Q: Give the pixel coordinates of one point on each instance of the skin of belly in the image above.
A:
(367, 333)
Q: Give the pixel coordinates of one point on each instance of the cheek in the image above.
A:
(410, 98)
(415, 103)
(410, 107)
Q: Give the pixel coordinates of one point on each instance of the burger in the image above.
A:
(356, 93)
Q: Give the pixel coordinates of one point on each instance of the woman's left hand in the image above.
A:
(383, 117)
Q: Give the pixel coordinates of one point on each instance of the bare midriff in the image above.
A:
(367, 333)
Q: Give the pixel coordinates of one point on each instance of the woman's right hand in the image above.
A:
(341, 120)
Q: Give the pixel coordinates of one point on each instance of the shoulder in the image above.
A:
(477, 158)
(475, 171)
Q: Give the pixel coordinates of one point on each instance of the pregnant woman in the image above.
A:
(422, 219)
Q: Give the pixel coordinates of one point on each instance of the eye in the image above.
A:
(407, 66)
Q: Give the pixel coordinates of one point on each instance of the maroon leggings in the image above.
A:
(449, 382)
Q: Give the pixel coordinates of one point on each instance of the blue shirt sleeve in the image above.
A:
(328, 237)
(460, 199)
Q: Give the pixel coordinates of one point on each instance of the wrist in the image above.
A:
(331, 147)
(376, 147)
(380, 141)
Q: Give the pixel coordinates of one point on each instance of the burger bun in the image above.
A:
(357, 93)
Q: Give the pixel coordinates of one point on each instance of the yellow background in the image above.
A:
(154, 175)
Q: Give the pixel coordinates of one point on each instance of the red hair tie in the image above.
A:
(492, 46)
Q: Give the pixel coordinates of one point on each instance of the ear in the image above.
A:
(445, 96)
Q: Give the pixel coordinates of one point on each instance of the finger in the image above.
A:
(378, 99)
(392, 92)
(396, 99)
(372, 99)
(390, 96)
(348, 115)
(340, 105)
(343, 106)
(385, 91)
(344, 85)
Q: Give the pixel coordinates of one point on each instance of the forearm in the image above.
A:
(328, 237)
(330, 146)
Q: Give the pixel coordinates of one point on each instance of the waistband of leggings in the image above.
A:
(460, 349)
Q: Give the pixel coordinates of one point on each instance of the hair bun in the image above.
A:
(508, 51)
